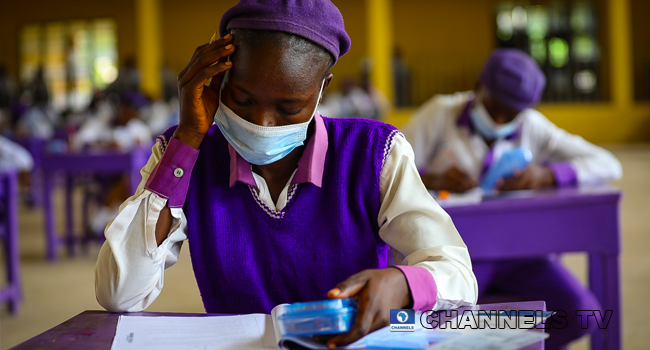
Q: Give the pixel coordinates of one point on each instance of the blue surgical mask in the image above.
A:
(485, 125)
(257, 144)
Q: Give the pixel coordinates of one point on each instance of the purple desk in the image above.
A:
(92, 330)
(540, 223)
(76, 164)
(11, 292)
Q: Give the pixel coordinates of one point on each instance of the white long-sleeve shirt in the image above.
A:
(437, 124)
(14, 156)
(130, 267)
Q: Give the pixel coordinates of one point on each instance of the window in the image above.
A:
(562, 38)
(76, 57)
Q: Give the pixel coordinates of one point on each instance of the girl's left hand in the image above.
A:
(378, 291)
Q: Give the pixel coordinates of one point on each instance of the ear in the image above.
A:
(328, 80)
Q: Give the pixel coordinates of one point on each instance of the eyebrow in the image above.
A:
(283, 100)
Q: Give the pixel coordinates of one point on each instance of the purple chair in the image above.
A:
(11, 292)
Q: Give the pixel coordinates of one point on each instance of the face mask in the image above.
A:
(485, 125)
(261, 145)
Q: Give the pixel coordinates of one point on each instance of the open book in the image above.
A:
(245, 332)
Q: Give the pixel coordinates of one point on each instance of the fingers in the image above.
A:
(206, 73)
(205, 60)
(362, 325)
(519, 181)
(204, 49)
(349, 287)
(459, 181)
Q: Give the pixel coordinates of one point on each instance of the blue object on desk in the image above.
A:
(510, 161)
(317, 317)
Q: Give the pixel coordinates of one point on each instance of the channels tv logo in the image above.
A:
(402, 320)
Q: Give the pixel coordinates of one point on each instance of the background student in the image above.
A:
(457, 138)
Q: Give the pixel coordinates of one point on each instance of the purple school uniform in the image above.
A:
(248, 257)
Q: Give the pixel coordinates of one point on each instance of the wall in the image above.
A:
(14, 14)
(641, 47)
(443, 42)
(187, 25)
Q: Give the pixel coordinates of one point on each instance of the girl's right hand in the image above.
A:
(198, 103)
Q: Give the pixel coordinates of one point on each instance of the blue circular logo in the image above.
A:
(402, 316)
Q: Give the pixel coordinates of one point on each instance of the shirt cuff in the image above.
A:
(171, 176)
(565, 174)
(424, 291)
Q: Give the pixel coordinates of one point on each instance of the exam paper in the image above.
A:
(246, 332)
(489, 339)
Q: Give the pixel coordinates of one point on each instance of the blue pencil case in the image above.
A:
(317, 317)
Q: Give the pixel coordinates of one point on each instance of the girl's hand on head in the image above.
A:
(377, 291)
(198, 102)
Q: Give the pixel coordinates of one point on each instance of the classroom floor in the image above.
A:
(54, 293)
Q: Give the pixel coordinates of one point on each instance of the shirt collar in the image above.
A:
(465, 121)
(310, 166)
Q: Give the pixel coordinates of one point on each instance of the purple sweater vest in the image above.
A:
(247, 258)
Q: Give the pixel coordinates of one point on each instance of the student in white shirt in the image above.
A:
(457, 138)
(277, 203)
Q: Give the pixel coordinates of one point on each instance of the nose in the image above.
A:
(263, 118)
(500, 118)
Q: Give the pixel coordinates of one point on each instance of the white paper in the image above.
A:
(246, 332)
(503, 339)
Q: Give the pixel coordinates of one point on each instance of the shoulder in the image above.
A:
(535, 121)
(440, 108)
(357, 124)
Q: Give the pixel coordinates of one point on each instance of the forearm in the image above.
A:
(130, 265)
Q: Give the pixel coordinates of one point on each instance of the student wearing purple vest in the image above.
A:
(457, 138)
(279, 204)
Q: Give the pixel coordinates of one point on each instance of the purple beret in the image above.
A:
(514, 78)
(317, 20)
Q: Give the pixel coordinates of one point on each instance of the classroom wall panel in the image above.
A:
(354, 15)
(443, 42)
(14, 14)
(188, 24)
(641, 48)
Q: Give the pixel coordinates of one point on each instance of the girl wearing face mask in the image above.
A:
(278, 203)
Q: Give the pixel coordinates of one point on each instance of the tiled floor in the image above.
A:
(55, 292)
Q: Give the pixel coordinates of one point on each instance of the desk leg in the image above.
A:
(134, 178)
(69, 214)
(11, 245)
(50, 219)
(604, 281)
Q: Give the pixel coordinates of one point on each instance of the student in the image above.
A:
(279, 204)
(14, 156)
(115, 125)
(457, 138)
